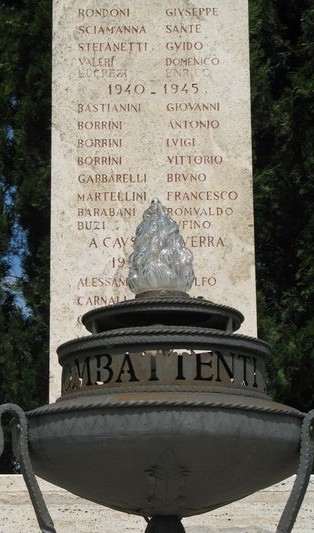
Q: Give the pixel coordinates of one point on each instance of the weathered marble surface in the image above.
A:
(162, 110)
(258, 513)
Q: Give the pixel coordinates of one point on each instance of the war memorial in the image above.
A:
(159, 409)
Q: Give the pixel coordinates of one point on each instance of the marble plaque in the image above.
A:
(150, 99)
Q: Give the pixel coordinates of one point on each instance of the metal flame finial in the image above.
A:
(160, 261)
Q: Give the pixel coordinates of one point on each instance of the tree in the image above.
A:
(282, 53)
(25, 105)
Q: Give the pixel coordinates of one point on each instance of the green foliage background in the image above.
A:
(25, 101)
(282, 66)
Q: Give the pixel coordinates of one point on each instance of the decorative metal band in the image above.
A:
(295, 500)
(170, 301)
(21, 449)
(144, 312)
(62, 408)
(105, 368)
(164, 389)
(149, 335)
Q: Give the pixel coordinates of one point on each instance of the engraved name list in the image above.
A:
(149, 100)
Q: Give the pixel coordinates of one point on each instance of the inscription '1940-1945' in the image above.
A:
(164, 368)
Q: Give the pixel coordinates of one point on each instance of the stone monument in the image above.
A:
(149, 100)
(152, 100)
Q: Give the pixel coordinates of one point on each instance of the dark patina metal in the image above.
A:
(164, 413)
(165, 524)
(21, 452)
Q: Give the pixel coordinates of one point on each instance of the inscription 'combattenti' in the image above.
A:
(213, 368)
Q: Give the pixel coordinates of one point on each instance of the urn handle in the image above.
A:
(295, 500)
(20, 427)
